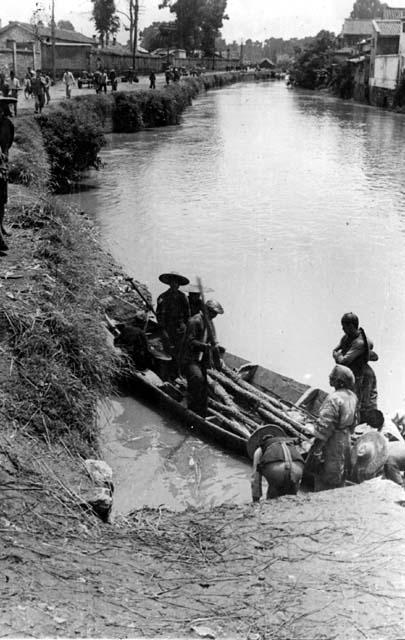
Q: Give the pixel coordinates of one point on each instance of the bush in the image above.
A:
(127, 113)
(63, 364)
(73, 137)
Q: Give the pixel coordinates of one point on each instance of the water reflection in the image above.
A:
(157, 462)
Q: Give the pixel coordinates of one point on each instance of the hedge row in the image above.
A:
(73, 132)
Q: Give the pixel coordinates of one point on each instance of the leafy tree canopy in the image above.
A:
(367, 9)
(198, 22)
(105, 18)
(65, 24)
(159, 35)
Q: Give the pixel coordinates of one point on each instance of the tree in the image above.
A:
(159, 35)
(39, 19)
(105, 18)
(367, 9)
(65, 24)
(131, 14)
(213, 17)
(313, 67)
(198, 22)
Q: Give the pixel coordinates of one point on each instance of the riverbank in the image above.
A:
(289, 569)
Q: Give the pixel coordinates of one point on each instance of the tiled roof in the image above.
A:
(46, 32)
(391, 13)
(357, 27)
(388, 27)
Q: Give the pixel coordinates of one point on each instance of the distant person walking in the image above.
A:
(113, 80)
(103, 81)
(69, 82)
(38, 91)
(168, 76)
(152, 79)
(27, 84)
(15, 87)
(47, 89)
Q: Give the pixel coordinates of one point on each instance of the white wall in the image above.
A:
(385, 72)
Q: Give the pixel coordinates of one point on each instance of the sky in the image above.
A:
(256, 19)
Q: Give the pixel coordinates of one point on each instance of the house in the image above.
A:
(353, 31)
(266, 64)
(386, 60)
(32, 46)
(390, 13)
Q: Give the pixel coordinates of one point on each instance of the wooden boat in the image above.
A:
(298, 403)
(164, 396)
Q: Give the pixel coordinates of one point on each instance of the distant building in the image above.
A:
(265, 63)
(386, 60)
(32, 46)
(390, 13)
(353, 31)
(178, 54)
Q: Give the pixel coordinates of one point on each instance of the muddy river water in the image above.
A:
(291, 206)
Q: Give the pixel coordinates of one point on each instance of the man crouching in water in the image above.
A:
(275, 458)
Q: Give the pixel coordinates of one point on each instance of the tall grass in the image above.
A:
(62, 362)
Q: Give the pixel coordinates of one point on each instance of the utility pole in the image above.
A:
(53, 42)
(135, 35)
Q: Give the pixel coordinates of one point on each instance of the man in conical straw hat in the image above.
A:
(173, 310)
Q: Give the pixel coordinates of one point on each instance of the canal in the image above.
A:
(290, 205)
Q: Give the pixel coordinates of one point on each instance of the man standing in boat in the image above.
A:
(354, 351)
(173, 311)
(194, 297)
(201, 352)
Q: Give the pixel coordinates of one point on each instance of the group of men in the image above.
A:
(190, 335)
(335, 456)
(188, 325)
(36, 84)
(172, 73)
(101, 78)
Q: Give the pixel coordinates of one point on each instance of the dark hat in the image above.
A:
(7, 100)
(258, 436)
(167, 278)
(215, 306)
(368, 456)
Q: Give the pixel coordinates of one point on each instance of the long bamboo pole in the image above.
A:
(271, 418)
(234, 413)
(230, 425)
(257, 401)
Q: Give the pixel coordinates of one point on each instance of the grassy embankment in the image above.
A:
(56, 362)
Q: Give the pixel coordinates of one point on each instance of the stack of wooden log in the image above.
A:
(240, 407)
